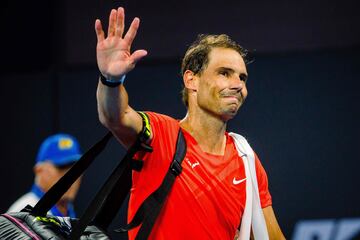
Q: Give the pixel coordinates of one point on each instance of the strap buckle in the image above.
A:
(175, 167)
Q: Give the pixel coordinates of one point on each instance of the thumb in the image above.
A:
(137, 55)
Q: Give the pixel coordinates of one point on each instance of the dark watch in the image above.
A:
(111, 83)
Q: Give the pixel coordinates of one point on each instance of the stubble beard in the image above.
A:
(229, 111)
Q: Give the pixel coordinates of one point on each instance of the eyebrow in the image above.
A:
(244, 75)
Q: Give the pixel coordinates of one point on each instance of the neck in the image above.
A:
(208, 130)
(62, 207)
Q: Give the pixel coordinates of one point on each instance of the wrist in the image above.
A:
(112, 82)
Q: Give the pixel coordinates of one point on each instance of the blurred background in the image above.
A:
(301, 115)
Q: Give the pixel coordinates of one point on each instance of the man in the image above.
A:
(55, 157)
(208, 198)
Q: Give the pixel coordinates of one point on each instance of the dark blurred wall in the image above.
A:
(168, 27)
(62, 32)
(301, 115)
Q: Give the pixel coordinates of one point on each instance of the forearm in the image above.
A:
(112, 104)
(114, 60)
(272, 225)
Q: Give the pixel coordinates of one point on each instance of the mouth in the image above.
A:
(233, 98)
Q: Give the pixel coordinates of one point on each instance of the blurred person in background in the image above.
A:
(57, 154)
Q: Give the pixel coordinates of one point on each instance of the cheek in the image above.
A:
(208, 95)
(49, 179)
(212, 88)
(57, 174)
(244, 92)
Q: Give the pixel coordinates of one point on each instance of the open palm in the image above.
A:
(113, 53)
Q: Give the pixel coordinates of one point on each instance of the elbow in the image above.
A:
(103, 120)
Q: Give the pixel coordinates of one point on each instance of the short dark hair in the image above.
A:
(197, 55)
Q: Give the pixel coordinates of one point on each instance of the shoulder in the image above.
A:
(244, 148)
(27, 199)
(158, 117)
(242, 145)
(162, 126)
(239, 139)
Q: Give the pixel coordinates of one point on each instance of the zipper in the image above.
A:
(21, 226)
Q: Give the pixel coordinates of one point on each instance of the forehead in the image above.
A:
(226, 57)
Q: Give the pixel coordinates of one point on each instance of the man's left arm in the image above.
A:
(272, 225)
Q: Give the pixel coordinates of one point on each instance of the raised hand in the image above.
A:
(113, 54)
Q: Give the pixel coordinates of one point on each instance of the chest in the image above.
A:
(216, 185)
(204, 172)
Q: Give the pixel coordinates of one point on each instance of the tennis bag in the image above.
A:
(34, 223)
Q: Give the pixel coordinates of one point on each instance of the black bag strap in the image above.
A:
(156, 202)
(151, 207)
(54, 194)
(109, 199)
(114, 191)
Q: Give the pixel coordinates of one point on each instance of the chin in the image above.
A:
(228, 115)
(232, 110)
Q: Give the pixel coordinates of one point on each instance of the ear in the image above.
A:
(190, 80)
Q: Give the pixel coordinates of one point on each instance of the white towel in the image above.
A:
(253, 215)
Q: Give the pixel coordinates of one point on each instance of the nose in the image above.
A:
(237, 83)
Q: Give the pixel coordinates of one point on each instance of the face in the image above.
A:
(47, 175)
(221, 87)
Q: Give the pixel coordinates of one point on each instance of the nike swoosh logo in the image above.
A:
(236, 182)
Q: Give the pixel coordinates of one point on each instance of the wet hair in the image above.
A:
(196, 57)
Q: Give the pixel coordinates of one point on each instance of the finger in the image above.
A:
(99, 31)
(120, 22)
(137, 55)
(131, 33)
(112, 23)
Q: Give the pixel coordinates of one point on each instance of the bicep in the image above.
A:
(272, 224)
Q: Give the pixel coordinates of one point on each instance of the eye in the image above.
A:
(243, 77)
(224, 73)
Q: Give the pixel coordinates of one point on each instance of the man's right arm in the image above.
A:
(115, 113)
(114, 60)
